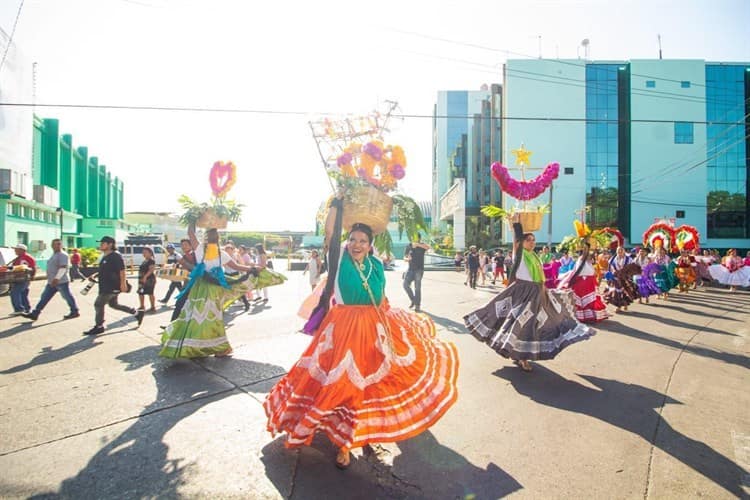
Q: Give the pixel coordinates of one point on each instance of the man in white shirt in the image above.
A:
(57, 281)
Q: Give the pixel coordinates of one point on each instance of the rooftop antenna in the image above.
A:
(585, 44)
(540, 46)
(658, 37)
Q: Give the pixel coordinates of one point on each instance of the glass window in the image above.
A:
(685, 84)
(650, 84)
(683, 132)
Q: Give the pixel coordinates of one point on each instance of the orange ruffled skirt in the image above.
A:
(358, 387)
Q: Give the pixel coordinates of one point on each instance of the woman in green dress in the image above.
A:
(199, 330)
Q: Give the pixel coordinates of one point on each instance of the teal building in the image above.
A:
(637, 141)
(73, 196)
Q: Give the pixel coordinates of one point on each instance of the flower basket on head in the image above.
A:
(211, 220)
(530, 221)
(218, 211)
(368, 205)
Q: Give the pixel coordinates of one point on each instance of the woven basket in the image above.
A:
(10, 277)
(210, 220)
(530, 221)
(367, 205)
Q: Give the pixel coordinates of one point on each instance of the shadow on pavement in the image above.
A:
(20, 327)
(619, 328)
(715, 303)
(440, 472)
(679, 324)
(135, 464)
(49, 355)
(630, 407)
(424, 468)
(449, 324)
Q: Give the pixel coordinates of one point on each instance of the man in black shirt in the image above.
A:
(414, 254)
(111, 283)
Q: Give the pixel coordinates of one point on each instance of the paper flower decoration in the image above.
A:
(614, 237)
(659, 234)
(374, 163)
(525, 190)
(582, 229)
(222, 177)
(686, 237)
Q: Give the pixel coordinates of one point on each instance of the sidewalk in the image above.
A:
(655, 405)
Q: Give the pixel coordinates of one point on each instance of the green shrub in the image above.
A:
(89, 256)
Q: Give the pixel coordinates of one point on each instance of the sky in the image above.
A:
(297, 61)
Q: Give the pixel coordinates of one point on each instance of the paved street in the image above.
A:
(656, 405)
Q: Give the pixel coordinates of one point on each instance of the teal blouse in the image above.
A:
(349, 281)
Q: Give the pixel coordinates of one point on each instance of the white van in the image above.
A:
(133, 254)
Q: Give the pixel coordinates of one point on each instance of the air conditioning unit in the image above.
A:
(46, 195)
(37, 245)
(5, 180)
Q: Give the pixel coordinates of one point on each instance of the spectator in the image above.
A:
(75, 266)
(57, 281)
(415, 256)
(173, 259)
(19, 292)
(111, 283)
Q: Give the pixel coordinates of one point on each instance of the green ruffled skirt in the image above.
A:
(199, 330)
(266, 278)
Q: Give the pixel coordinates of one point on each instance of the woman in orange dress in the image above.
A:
(685, 271)
(371, 373)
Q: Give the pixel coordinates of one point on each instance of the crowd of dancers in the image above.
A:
(620, 277)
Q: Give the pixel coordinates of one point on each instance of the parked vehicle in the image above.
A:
(133, 255)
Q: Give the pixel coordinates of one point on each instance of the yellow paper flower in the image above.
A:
(398, 156)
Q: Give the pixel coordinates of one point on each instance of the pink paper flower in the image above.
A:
(397, 171)
(525, 190)
(344, 159)
(373, 150)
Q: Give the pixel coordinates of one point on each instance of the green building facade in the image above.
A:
(75, 197)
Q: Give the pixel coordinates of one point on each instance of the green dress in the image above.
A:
(199, 330)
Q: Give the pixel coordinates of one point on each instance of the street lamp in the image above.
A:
(59, 210)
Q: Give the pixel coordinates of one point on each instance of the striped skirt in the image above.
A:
(361, 383)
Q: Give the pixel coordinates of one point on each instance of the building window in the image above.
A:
(728, 210)
(683, 132)
(679, 214)
(602, 146)
(650, 84)
(685, 84)
(568, 170)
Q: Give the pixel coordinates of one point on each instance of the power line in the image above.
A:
(677, 164)
(572, 82)
(507, 52)
(308, 113)
(12, 33)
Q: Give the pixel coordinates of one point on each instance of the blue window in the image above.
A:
(683, 132)
(650, 84)
(685, 84)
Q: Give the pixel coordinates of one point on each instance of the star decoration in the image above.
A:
(522, 156)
